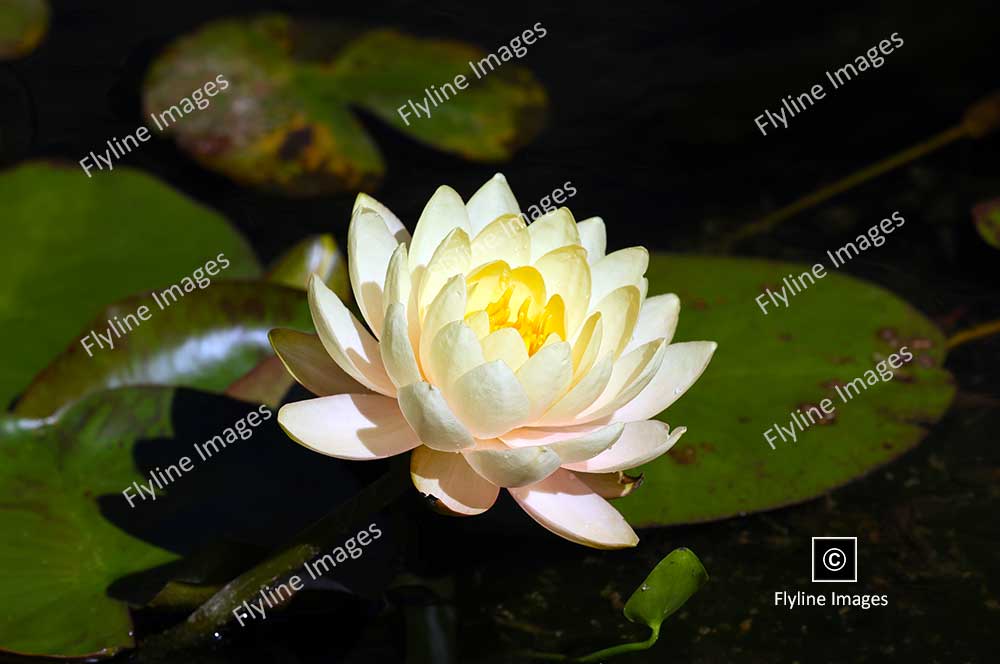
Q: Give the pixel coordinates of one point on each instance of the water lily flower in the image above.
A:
(503, 354)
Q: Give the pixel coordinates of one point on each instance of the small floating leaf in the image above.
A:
(278, 116)
(666, 589)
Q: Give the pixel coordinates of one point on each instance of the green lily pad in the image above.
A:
(767, 366)
(23, 24)
(274, 94)
(76, 243)
(58, 553)
(987, 219)
(206, 340)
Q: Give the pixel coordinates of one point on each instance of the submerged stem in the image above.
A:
(217, 611)
(975, 332)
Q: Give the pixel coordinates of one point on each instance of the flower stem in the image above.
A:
(215, 613)
(766, 223)
(600, 655)
(976, 332)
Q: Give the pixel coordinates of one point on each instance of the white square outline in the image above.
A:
(812, 560)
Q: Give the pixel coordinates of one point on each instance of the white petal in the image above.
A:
(452, 257)
(397, 278)
(489, 400)
(454, 351)
(619, 311)
(546, 375)
(507, 345)
(447, 306)
(566, 506)
(369, 248)
(308, 362)
(572, 444)
(444, 212)
(429, 415)
(640, 443)
(392, 222)
(657, 320)
(552, 230)
(631, 374)
(567, 274)
(581, 395)
(593, 237)
(397, 353)
(491, 201)
(624, 267)
(349, 426)
(479, 322)
(448, 478)
(682, 364)
(346, 339)
(505, 239)
(511, 467)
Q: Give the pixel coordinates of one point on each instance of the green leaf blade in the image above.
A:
(671, 583)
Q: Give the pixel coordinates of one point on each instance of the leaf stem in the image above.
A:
(215, 613)
(600, 655)
(975, 332)
(822, 194)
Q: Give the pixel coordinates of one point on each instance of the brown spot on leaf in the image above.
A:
(295, 142)
(699, 304)
(926, 361)
(784, 336)
(812, 411)
(920, 343)
(888, 334)
(684, 455)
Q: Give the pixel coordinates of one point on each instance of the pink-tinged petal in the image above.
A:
(448, 479)
(610, 485)
(425, 408)
(572, 444)
(391, 221)
(593, 237)
(566, 506)
(511, 467)
(683, 363)
(657, 320)
(492, 200)
(640, 443)
(308, 362)
(358, 427)
(346, 339)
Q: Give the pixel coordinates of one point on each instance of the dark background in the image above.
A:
(653, 108)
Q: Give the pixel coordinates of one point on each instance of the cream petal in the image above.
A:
(397, 353)
(567, 274)
(619, 310)
(640, 443)
(507, 345)
(546, 376)
(624, 267)
(424, 407)
(511, 467)
(552, 230)
(682, 364)
(572, 444)
(349, 426)
(587, 345)
(593, 237)
(580, 396)
(632, 373)
(610, 485)
(479, 322)
(447, 306)
(492, 200)
(566, 506)
(505, 238)
(447, 478)
(489, 400)
(369, 248)
(308, 362)
(657, 320)
(454, 351)
(452, 257)
(392, 222)
(346, 339)
(444, 212)
(397, 278)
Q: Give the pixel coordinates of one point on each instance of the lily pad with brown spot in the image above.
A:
(770, 365)
(266, 100)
